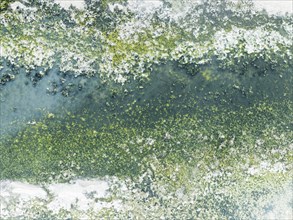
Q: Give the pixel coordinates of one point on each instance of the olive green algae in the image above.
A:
(195, 145)
(192, 114)
(68, 147)
(235, 156)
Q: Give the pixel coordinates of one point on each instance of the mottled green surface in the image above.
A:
(193, 114)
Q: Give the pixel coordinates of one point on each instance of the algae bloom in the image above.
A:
(116, 109)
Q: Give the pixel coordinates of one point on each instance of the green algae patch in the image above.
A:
(120, 45)
(178, 155)
(192, 113)
(223, 162)
(60, 149)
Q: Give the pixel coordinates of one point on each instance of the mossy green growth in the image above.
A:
(4, 4)
(60, 149)
(172, 150)
(145, 43)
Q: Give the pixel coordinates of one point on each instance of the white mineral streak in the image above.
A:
(17, 5)
(144, 6)
(279, 206)
(67, 3)
(275, 7)
(16, 198)
(19, 193)
(255, 40)
(80, 193)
